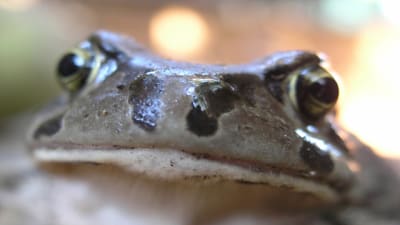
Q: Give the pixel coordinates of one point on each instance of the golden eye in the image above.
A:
(76, 68)
(313, 91)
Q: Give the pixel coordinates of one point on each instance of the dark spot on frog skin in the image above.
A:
(210, 100)
(316, 159)
(144, 96)
(120, 87)
(49, 127)
(200, 123)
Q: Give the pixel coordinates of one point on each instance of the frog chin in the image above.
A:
(175, 165)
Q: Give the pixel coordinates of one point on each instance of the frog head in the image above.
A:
(265, 122)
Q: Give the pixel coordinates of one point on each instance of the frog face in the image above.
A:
(262, 122)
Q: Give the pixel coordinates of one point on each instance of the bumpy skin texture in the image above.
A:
(178, 121)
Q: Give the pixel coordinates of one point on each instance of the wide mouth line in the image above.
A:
(254, 166)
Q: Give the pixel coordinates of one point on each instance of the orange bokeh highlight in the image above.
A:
(179, 32)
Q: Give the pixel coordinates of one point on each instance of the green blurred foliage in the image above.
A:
(26, 61)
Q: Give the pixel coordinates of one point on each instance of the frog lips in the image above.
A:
(172, 164)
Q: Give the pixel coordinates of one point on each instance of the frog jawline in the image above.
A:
(171, 164)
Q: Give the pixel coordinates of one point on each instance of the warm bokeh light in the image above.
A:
(371, 102)
(178, 32)
(17, 5)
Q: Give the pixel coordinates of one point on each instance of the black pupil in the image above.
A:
(325, 90)
(70, 64)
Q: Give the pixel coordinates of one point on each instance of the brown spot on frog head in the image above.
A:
(49, 127)
(144, 96)
(210, 100)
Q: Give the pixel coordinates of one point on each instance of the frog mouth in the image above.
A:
(175, 165)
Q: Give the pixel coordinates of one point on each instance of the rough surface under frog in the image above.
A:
(138, 139)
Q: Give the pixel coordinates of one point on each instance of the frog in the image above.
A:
(262, 134)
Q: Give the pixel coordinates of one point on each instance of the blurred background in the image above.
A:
(360, 37)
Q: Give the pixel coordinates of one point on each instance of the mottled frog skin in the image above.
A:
(267, 123)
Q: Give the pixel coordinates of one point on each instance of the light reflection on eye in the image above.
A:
(178, 32)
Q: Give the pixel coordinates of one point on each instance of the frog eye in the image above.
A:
(74, 69)
(313, 91)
